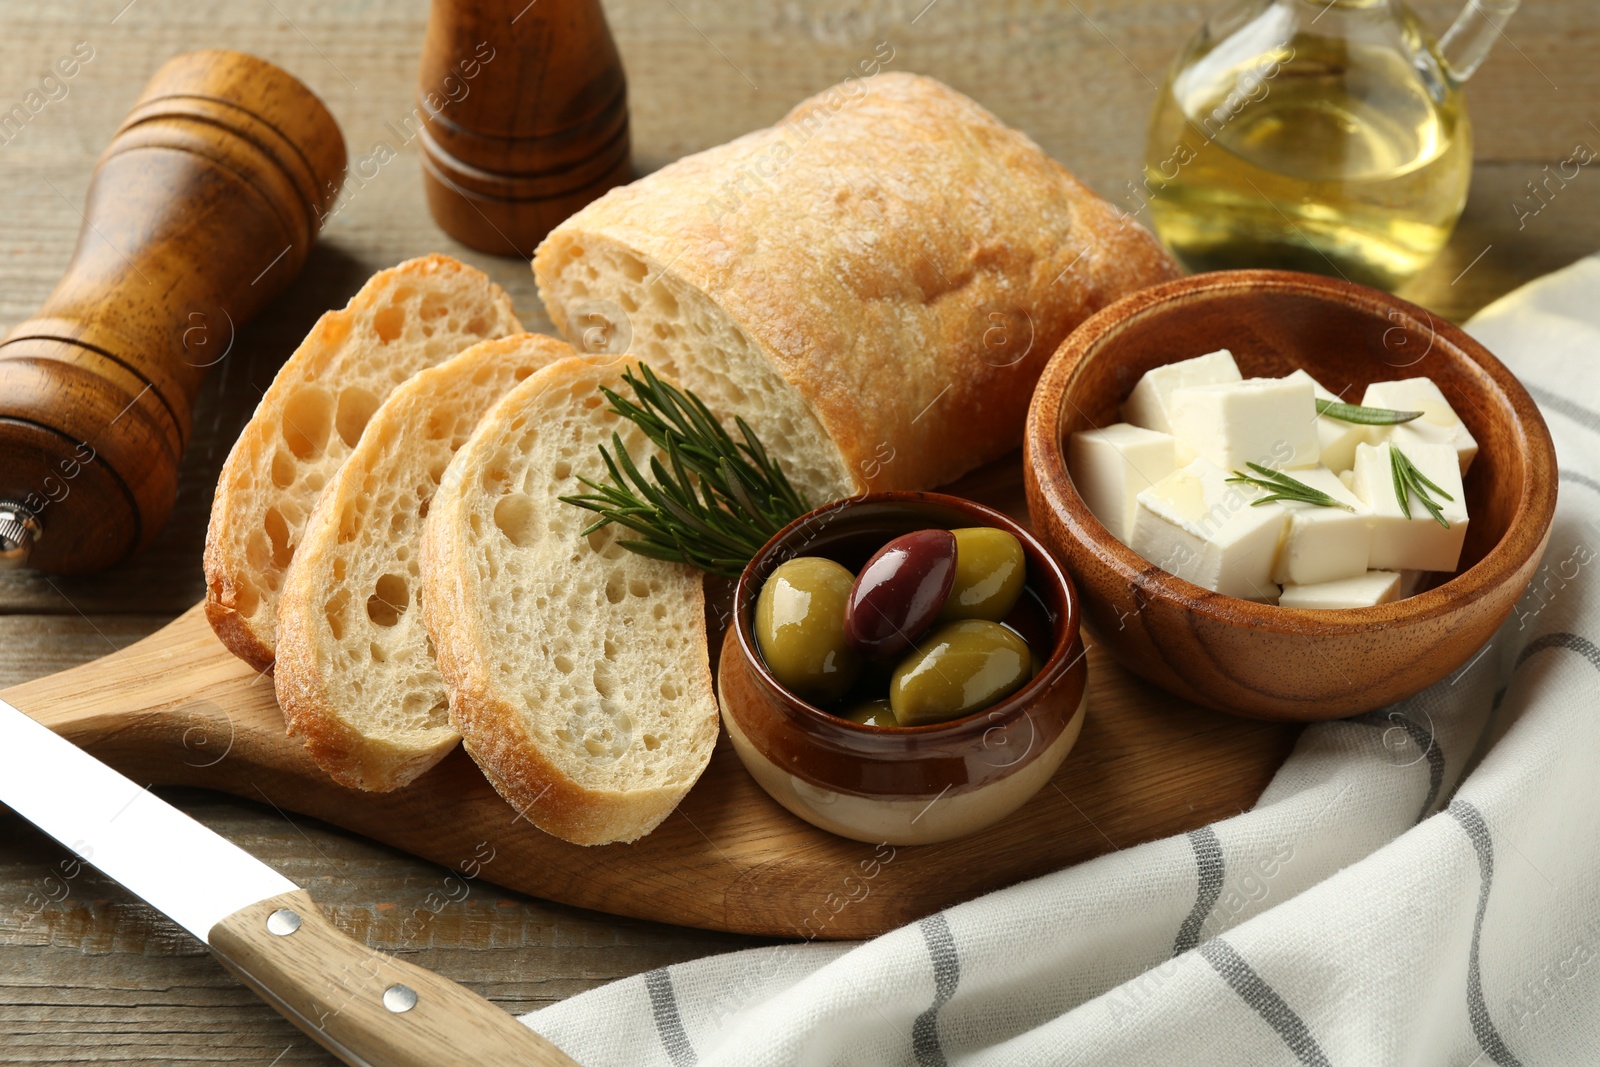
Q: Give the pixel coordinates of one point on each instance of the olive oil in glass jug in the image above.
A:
(1317, 135)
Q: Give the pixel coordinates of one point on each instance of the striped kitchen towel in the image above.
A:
(1416, 886)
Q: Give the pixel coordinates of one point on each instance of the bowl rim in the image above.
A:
(1045, 458)
(978, 723)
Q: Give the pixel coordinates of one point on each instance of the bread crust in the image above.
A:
(242, 615)
(491, 717)
(340, 730)
(885, 245)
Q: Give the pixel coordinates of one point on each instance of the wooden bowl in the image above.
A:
(1260, 660)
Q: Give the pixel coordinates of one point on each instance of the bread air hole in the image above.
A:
(665, 302)
(283, 468)
(388, 323)
(334, 611)
(356, 406)
(278, 533)
(495, 479)
(349, 522)
(514, 515)
(307, 416)
(389, 600)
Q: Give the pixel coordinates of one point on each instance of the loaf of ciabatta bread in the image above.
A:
(355, 674)
(875, 283)
(578, 672)
(404, 319)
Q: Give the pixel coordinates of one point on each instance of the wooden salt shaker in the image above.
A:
(201, 210)
(524, 112)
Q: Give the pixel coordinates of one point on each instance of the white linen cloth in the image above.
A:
(1416, 886)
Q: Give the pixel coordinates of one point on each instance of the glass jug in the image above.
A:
(1317, 135)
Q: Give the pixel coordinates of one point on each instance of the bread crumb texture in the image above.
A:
(579, 671)
(403, 320)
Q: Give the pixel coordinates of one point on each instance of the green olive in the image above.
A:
(871, 713)
(990, 570)
(800, 628)
(960, 667)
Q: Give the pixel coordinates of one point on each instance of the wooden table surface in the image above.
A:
(87, 973)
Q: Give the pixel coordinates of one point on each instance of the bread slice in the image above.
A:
(355, 673)
(578, 671)
(404, 319)
(874, 283)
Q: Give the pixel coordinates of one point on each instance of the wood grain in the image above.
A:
(202, 209)
(1263, 660)
(103, 977)
(177, 709)
(366, 1006)
(524, 113)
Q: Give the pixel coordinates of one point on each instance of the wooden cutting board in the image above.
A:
(177, 709)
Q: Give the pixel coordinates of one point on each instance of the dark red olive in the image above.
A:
(900, 591)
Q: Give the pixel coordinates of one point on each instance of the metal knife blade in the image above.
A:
(369, 1009)
(190, 873)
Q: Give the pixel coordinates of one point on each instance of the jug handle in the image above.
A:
(1469, 38)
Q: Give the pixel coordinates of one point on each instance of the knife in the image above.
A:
(367, 1008)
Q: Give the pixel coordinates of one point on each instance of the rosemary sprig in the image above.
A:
(1283, 487)
(1337, 409)
(714, 501)
(1409, 480)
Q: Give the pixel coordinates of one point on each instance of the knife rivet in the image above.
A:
(399, 998)
(283, 922)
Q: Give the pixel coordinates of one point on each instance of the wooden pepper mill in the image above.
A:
(201, 210)
(524, 112)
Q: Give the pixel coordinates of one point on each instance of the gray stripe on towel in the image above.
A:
(1562, 406)
(1578, 479)
(1561, 639)
(946, 973)
(1424, 739)
(1483, 1028)
(669, 1024)
(1209, 872)
(1254, 991)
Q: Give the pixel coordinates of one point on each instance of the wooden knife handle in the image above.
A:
(365, 1007)
(202, 209)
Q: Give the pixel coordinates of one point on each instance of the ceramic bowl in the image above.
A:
(913, 784)
(1261, 660)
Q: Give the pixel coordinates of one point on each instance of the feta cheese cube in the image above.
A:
(1439, 423)
(1336, 439)
(1411, 539)
(1110, 467)
(1361, 591)
(1146, 406)
(1197, 525)
(1322, 544)
(1270, 421)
